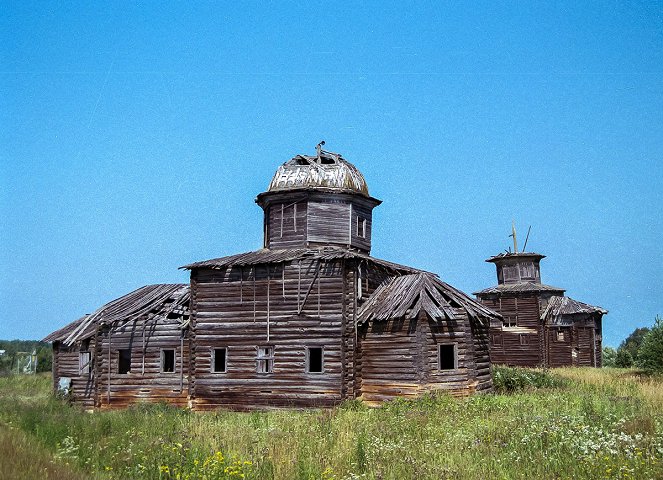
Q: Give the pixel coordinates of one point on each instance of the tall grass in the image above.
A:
(578, 424)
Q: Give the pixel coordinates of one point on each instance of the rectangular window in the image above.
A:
(361, 227)
(265, 360)
(123, 361)
(560, 335)
(167, 361)
(524, 339)
(84, 362)
(447, 357)
(314, 360)
(510, 321)
(497, 340)
(219, 360)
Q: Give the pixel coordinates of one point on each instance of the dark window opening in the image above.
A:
(124, 361)
(219, 360)
(447, 357)
(265, 360)
(167, 361)
(314, 360)
(361, 227)
(497, 340)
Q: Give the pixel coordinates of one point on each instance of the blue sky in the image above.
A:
(135, 137)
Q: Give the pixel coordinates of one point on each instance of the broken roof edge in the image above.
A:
(510, 255)
(408, 295)
(260, 198)
(267, 256)
(130, 306)
(563, 305)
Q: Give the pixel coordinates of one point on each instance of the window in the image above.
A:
(84, 363)
(510, 321)
(219, 360)
(560, 336)
(527, 270)
(497, 339)
(314, 360)
(124, 361)
(168, 361)
(361, 227)
(524, 339)
(447, 358)
(265, 359)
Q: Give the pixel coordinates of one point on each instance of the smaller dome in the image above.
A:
(326, 171)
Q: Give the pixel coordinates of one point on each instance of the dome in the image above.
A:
(325, 171)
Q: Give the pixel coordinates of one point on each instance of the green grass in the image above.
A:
(568, 423)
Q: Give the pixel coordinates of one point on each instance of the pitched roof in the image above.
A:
(408, 295)
(519, 287)
(266, 255)
(64, 332)
(154, 301)
(560, 306)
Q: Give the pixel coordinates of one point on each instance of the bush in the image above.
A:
(650, 355)
(609, 357)
(511, 379)
(624, 359)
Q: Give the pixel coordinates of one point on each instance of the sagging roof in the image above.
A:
(265, 256)
(153, 301)
(408, 295)
(558, 307)
(61, 334)
(328, 171)
(519, 287)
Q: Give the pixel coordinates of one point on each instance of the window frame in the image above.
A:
(162, 360)
(267, 358)
(510, 321)
(439, 356)
(120, 362)
(559, 333)
(307, 363)
(524, 339)
(225, 360)
(361, 226)
(84, 368)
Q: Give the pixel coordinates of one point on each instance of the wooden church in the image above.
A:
(311, 319)
(539, 325)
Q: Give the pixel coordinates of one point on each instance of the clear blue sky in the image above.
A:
(134, 139)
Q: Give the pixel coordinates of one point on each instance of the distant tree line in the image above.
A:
(11, 357)
(643, 348)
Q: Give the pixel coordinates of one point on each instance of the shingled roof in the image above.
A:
(558, 307)
(153, 301)
(406, 296)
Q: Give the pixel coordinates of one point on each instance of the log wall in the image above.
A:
(66, 363)
(145, 382)
(288, 307)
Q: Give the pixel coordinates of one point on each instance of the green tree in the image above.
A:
(609, 357)
(623, 359)
(633, 341)
(650, 355)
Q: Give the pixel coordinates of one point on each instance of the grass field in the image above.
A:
(569, 423)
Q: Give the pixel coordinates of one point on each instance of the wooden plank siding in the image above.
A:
(241, 309)
(328, 222)
(286, 224)
(145, 383)
(519, 345)
(66, 364)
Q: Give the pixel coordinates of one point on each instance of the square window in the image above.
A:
(265, 360)
(447, 357)
(510, 321)
(524, 339)
(84, 362)
(219, 360)
(497, 339)
(168, 361)
(124, 361)
(314, 360)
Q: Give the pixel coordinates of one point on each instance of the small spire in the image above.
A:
(513, 234)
